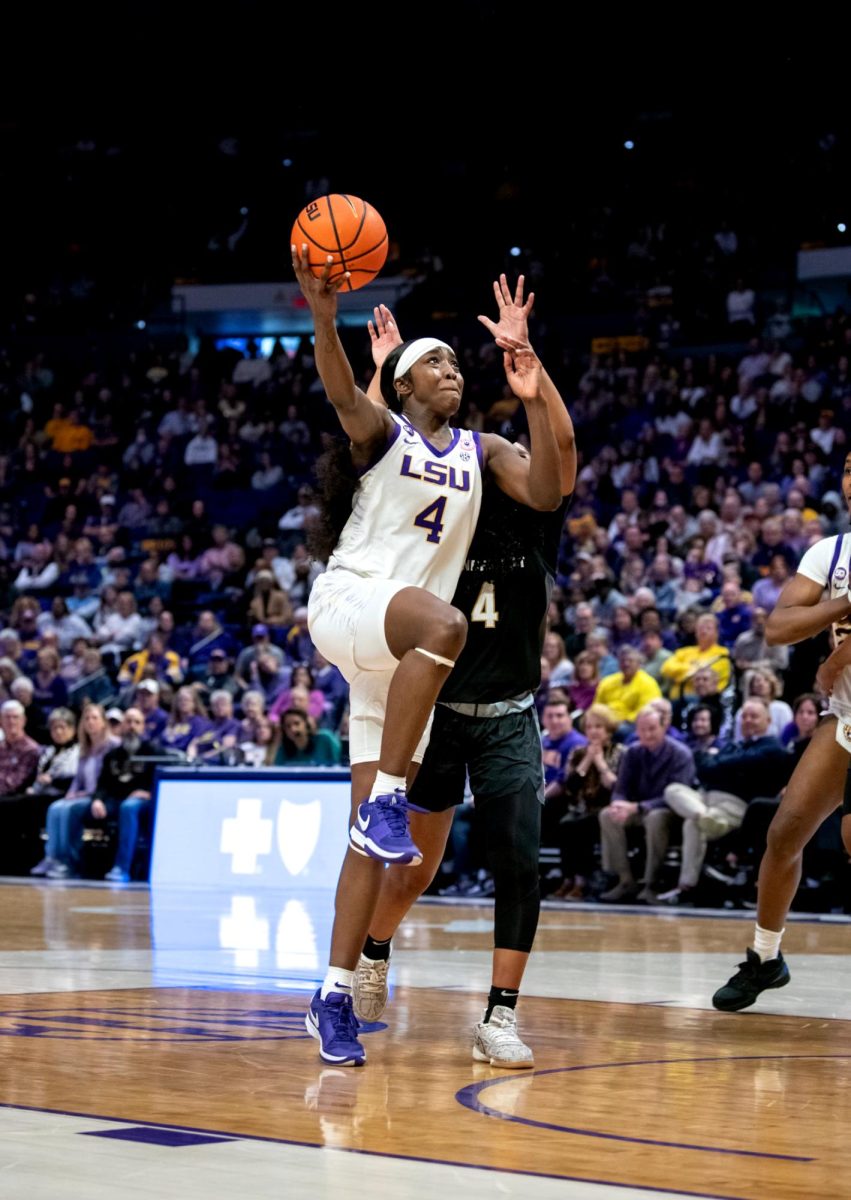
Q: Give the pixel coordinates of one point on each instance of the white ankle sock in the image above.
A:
(767, 943)
(337, 980)
(385, 783)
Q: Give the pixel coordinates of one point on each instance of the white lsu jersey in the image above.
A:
(828, 562)
(414, 511)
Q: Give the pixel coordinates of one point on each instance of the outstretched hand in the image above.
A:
(319, 292)
(513, 320)
(523, 371)
(384, 334)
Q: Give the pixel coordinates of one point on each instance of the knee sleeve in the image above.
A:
(512, 827)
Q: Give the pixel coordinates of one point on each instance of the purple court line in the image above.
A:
(415, 1158)
(468, 1097)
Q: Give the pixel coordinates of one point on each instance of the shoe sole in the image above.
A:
(313, 1029)
(480, 1056)
(364, 845)
(738, 1007)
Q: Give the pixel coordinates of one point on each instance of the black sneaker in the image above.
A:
(752, 977)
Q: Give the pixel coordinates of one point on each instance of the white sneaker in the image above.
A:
(498, 1043)
(369, 988)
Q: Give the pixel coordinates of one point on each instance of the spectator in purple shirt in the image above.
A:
(146, 698)
(734, 616)
(638, 799)
(49, 688)
(766, 591)
(558, 740)
(223, 730)
(186, 722)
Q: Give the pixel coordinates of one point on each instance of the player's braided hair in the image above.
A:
(336, 480)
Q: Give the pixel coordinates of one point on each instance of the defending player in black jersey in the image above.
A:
(485, 724)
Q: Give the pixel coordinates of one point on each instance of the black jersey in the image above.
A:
(504, 592)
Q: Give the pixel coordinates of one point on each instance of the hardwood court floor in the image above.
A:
(188, 1071)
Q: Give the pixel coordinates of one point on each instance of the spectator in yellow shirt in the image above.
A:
(154, 662)
(628, 690)
(73, 436)
(681, 668)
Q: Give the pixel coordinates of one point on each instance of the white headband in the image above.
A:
(416, 350)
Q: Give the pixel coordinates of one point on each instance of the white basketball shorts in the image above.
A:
(345, 615)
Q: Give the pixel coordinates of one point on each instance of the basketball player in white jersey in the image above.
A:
(815, 598)
(381, 611)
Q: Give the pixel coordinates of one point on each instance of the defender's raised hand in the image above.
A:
(524, 373)
(513, 319)
(383, 334)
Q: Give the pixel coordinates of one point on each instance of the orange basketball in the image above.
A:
(347, 228)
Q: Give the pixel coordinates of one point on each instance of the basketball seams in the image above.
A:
(361, 222)
(336, 220)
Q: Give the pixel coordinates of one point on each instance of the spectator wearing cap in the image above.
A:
(102, 524)
(115, 719)
(269, 604)
(67, 626)
(260, 644)
(186, 722)
(218, 675)
(154, 662)
(146, 697)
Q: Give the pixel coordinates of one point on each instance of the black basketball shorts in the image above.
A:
(501, 754)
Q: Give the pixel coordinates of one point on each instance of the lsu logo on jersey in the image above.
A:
(437, 473)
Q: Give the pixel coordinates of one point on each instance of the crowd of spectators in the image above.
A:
(155, 514)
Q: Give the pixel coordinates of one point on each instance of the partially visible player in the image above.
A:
(485, 723)
(381, 611)
(815, 598)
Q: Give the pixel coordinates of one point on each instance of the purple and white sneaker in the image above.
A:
(381, 830)
(333, 1023)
